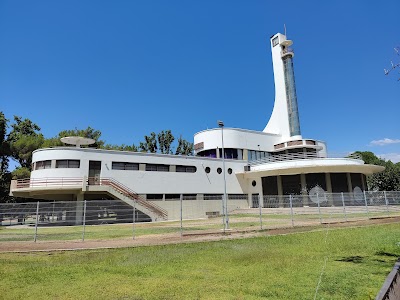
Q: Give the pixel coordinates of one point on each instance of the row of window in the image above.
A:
(219, 170)
(169, 197)
(61, 163)
(152, 167)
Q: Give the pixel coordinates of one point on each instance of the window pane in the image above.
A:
(131, 166)
(117, 165)
(73, 163)
(47, 164)
(62, 164)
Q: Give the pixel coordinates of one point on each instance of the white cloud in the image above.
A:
(394, 157)
(384, 142)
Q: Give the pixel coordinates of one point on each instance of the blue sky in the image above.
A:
(128, 68)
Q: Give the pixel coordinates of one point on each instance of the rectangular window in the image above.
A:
(125, 166)
(237, 196)
(275, 41)
(68, 163)
(213, 196)
(44, 164)
(189, 197)
(157, 168)
(172, 197)
(154, 196)
(186, 169)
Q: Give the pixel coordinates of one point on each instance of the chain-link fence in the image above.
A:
(111, 219)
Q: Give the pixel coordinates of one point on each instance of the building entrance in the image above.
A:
(94, 172)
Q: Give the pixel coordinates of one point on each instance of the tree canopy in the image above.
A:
(21, 137)
(388, 180)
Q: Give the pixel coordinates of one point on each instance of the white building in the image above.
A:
(276, 161)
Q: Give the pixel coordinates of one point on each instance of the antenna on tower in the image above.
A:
(284, 26)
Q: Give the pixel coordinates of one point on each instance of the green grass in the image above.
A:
(270, 267)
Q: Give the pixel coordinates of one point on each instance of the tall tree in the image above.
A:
(5, 152)
(24, 138)
(184, 147)
(122, 147)
(150, 143)
(388, 180)
(89, 132)
(165, 139)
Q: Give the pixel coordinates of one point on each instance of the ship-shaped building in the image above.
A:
(238, 165)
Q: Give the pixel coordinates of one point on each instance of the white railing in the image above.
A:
(298, 156)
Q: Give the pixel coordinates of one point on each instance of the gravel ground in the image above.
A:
(175, 238)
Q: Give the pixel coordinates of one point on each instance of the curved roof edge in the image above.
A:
(239, 129)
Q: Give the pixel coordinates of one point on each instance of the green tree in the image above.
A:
(388, 180)
(165, 140)
(150, 143)
(122, 147)
(21, 173)
(22, 127)
(5, 175)
(23, 139)
(184, 147)
(89, 132)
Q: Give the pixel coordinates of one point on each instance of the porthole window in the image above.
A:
(254, 183)
(207, 169)
(219, 170)
(229, 171)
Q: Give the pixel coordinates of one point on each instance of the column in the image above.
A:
(329, 188)
(280, 190)
(350, 187)
(304, 189)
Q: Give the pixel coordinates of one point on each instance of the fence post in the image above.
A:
(84, 221)
(291, 208)
(344, 207)
(259, 205)
(223, 213)
(181, 217)
(366, 204)
(133, 219)
(37, 221)
(319, 210)
(387, 203)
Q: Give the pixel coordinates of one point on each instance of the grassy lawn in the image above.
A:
(270, 267)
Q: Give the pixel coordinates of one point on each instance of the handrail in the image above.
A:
(48, 181)
(297, 156)
(77, 181)
(126, 191)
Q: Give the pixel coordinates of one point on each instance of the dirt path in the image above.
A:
(164, 239)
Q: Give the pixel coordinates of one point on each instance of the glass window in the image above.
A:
(237, 196)
(125, 166)
(154, 196)
(62, 163)
(157, 168)
(172, 197)
(68, 163)
(275, 41)
(73, 164)
(189, 197)
(186, 169)
(44, 164)
(213, 196)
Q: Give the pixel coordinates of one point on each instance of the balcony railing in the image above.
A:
(287, 51)
(299, 156)
(46, 182)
